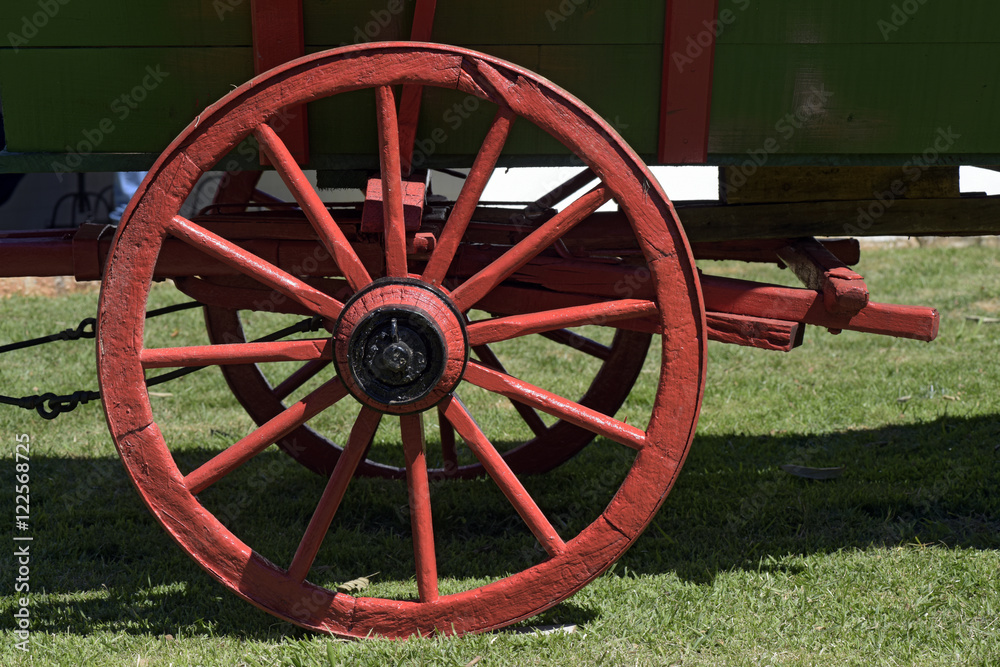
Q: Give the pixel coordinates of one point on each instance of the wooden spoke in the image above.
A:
(392, 183)
(560, 192)
(578, 342)
(449, 453)
(564, 409)
(264, 199)
(501, 473)
(527, 412)
(307, 372)
(247, 448)
(237, 353)
(412, 427)
(468, 198)
(255, 267)
(504, 328)
(235, 190)
(332, 236)
(362, 433)
(479, 285)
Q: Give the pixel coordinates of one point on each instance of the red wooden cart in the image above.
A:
(408, 291)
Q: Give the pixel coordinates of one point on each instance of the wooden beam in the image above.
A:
(766, 251)
(966, 216)
(686, 91)
(278, 36)
(756, 332)
(750, 184)
(844, 291)
(793, 304)
(411, 95)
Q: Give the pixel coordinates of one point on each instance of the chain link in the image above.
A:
(50, 406)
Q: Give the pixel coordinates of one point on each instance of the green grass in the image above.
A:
(895, 563)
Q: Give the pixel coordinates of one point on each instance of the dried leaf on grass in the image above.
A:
(355, 585)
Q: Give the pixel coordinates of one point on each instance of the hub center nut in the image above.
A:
(400, 346)
(397, 357)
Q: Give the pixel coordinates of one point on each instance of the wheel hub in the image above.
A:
(400, 346)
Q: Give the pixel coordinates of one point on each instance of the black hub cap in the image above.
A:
(397, 354)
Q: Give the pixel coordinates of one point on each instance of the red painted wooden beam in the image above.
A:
(727, 295)
(844, 291)
(686, 92)
(278, 36)
(409, 99)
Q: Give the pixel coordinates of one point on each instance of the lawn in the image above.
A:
(896, 561)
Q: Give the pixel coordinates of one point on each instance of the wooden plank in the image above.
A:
(756, 332)
(28, 163)
(920, 217)
(772, 101)
(96, 23)
(803, 183)
(861, 22)
(515, 22)
(111, 100)
(766, 251)
(686, 88)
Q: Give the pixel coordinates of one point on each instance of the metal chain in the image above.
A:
(84, 330)
(50, 406)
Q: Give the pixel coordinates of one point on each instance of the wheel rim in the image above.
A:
(171, 495)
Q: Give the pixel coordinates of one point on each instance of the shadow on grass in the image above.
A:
(100, 562)
(734, 507)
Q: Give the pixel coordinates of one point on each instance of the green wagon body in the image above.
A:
(872, 83)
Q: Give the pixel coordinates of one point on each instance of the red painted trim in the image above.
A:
(686, 93)
(423, 20)
(410, 98)
(279, 36)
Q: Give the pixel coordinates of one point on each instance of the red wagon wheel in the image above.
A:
(551, 444)
(400, 346)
